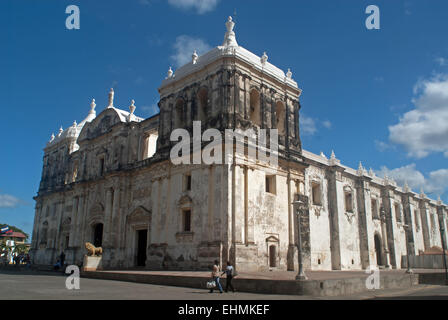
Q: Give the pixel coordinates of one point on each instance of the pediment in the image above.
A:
(184, 200)
(101, 125)
(139, 215)
(96, 211)
(272, 239)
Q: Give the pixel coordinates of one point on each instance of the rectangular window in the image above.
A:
(417, 220)
(375, 214)
(187, 220)
(348, 202)
(398, 212)
(433, 222)
(316, 193)
(75, 171)
(101, 166)
(187, 182)
(270, 184)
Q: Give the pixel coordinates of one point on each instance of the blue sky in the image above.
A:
(376, 96)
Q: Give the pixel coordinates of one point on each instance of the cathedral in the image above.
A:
(109, 180)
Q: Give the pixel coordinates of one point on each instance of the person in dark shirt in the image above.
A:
(229, 276)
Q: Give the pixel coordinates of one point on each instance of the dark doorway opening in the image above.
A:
(142, 238)
(379, 259)
(98, 235)
(272, 256)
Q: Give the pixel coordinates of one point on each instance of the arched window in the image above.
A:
(254, 111)
(178, 113)
(281, 117)
(203, 105)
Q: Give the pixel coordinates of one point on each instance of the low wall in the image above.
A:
(336, 287)
(432, 261)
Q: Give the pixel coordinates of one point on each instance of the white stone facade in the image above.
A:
(109, 180)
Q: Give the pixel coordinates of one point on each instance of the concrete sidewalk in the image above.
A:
(276, 275)
(319, 283)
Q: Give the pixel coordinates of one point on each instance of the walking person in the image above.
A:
(229, 276)
(62, 258)
(215, 276)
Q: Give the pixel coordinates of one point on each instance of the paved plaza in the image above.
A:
(51, 286)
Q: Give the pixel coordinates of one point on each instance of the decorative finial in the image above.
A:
(132, 107)
(371, 173)
(170, 73)
(194, 57)
(439, 201)
(333, 156)
(289, 74)
(323, 155)
(61, 130)
(52, 137)
(406, 187)
(360, 169)
(111, 98)
(422, 193)
(75, 124)
(229, 38)
(92, 106)
(264, 58)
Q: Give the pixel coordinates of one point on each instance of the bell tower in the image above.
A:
(230, 87)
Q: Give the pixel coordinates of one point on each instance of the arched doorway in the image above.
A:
(379, 260)
(98, 235)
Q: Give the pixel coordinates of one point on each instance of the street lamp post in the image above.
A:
(408, 229)
(442, 238)
(299, 205)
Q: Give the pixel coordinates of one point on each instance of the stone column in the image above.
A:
(408, 219)
(107, 217)
(364, 220)
(115, 221)
(239, 203)
(37, 215)
(291, 246)
(77, 236)
(387, 193)
(333, 175)
(384, 236)
(426, 230)
(74, 217)
(59, 214)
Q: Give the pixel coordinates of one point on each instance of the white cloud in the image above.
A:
(326, 124)
(8, 201)
(185, 46)
(424, 129)
(307, 125)
(378, 79)
(201, 6)
(442, 61)
(382, 146)
(435, 183)
(151, 110)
